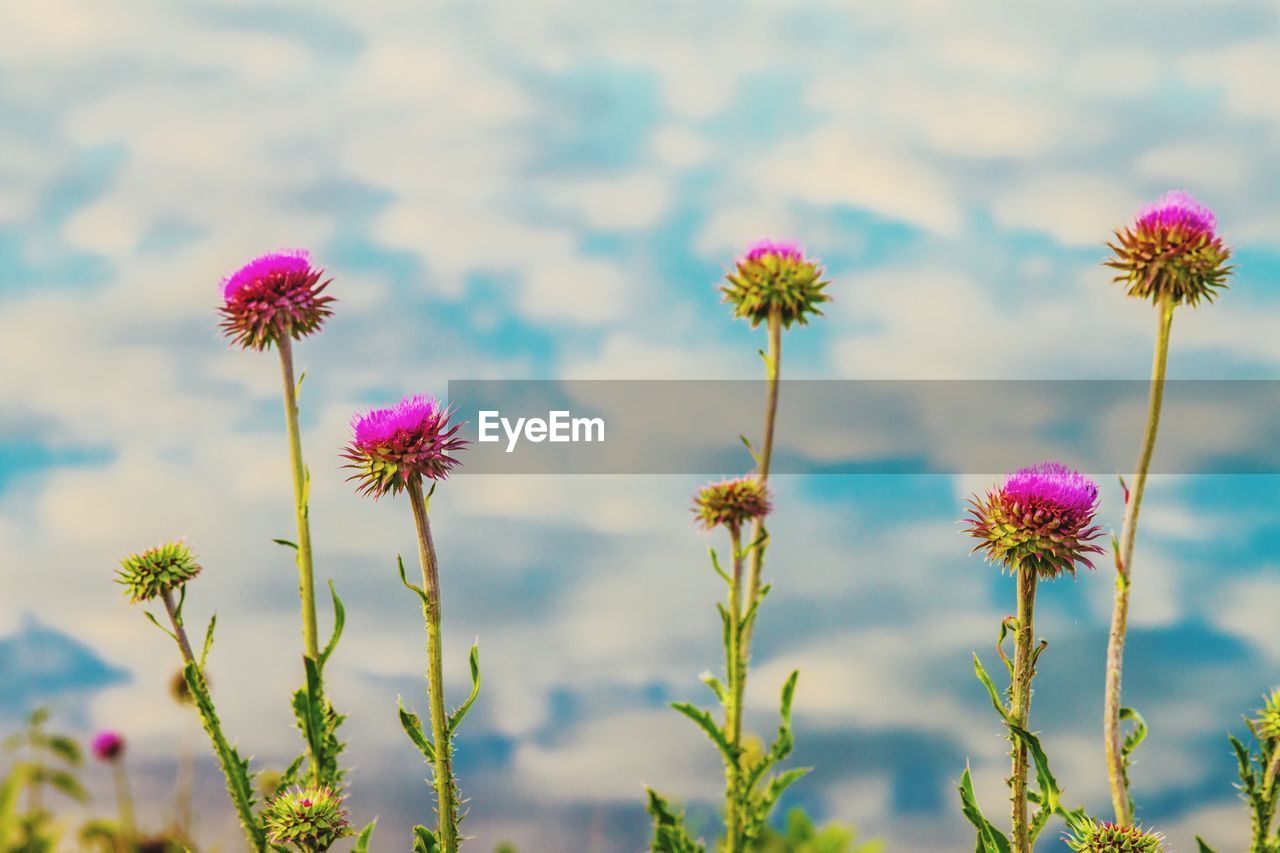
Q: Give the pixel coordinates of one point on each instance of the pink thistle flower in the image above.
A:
(1040, 517)
(107, 745)
(731, 503)
(274, 295)
(389, 446)
(1172, 250)
(774, 278)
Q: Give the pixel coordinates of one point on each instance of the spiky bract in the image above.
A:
(389, 446)
(1041, 518)
(1107, 837)
(731, 503)
(157, 570)
(275, 295)
(1172, 250)
(774, 277)
(311, 819)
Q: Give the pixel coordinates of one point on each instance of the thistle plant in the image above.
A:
(1171, 255)
(162, 573)
(271, 301)
(1037, 525)
(108, 747)
(393, 450)
(310, 819)
(1258, 771)
(773, 284)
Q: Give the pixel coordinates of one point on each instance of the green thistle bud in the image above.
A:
(1268, 723)
(774, 277)
(1106, 837)
(156, 571)
(311, 819)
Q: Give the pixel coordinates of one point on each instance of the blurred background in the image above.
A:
(552, 190)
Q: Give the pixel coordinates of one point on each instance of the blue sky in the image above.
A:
(508, 190)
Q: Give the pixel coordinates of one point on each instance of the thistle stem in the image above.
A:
(733, 709)
(124, 802)
(1116, 773)
(234, 770)
(1020, 703)
(773, 368)
(306, 579)
(446, 793)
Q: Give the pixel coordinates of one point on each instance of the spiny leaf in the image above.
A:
(154, 621)
(990, 839)
(208, 640)
(362, 840)
(456, 717)
(404, 579)
(708, 725)
(716, 685)
(1203, 846)
(424, 840)
(339, 620)
(670, 835)
(1049, 795)
(996, 701)
(413, 728)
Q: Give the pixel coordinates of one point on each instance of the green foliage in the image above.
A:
(670, 835)
(1047, 796)
(1132, 741)
(45, 762)
(802, 836)
(1258, 785)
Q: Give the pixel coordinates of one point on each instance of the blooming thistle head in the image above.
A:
(390, 446)
(107, 745)
(1040, 518)
(1267, 725)
(1106, 837)
(311, 819)
(275, 295)
(731, 503)
(156, 571)
(1172, 250)
(774, 277)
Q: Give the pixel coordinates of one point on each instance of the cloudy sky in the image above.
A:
(552, 189)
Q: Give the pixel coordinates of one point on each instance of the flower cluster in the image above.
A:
(1106, 837)
(157, 571)
(107, 745)
(774, 277)
(412, 438)
(731, 503)
(1172, 251)
(274, 296)
(1041, 517)
(311, 819)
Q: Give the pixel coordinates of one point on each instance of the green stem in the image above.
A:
(124, 801)
(1116, 772)
(306, 579)
(446, 793)
(234, 769)
(1020, 703)
(736, 672)
(773, 368)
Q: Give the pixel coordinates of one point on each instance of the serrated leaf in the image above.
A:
(456, 717)
(996, 701)
(339, 620)
(716, 685)
(208, 640)
(412, 726)
(1049, 795)
(990, 839)
(424, 840)
(708, 724)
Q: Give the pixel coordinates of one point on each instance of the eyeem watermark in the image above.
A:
(559, 426)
